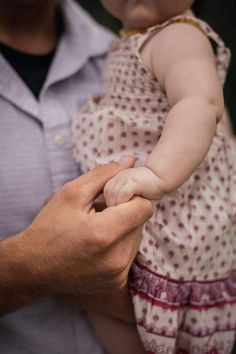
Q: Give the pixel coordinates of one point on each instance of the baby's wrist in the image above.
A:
(159, 183)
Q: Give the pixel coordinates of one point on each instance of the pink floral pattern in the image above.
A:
(211, 310)
(175, 294)
(183, 282)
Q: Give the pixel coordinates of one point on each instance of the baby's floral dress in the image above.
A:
(183, 281)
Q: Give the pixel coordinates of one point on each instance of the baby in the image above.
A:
(162, 102)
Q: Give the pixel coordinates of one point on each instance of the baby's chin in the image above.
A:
(141, 18)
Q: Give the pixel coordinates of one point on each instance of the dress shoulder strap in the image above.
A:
(222, 52)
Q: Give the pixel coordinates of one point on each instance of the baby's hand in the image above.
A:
(140, 181)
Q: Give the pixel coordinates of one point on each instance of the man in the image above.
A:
(51, 59)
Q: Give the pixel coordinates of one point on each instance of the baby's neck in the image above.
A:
(128, 27)
(188, 13)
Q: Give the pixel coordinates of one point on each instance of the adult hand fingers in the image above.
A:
(127, 162)
(91, 184)
(128, 251)
(125, 218)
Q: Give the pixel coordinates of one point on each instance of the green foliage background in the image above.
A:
(220, 14)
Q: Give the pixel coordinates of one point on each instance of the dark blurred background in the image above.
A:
(220, 14)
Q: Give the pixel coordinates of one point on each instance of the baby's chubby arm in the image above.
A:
(181, 58)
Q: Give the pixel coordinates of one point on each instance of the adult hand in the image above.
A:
(72, 249)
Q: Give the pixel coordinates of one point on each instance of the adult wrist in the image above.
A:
(18, 277)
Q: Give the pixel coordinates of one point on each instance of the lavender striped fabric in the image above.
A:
(35, 160)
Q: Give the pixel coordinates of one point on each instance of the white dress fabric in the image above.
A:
(183, 281)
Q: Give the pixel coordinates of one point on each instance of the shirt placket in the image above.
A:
(56, 127)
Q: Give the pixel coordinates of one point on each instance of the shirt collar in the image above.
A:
(81, 40)
(14, 90)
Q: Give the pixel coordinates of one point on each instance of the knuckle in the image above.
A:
(125, 193)
(119, 266)
(123, 198)
(121, 282)
(149, 207)
(115, 271)
(135, 184)
(100, 239)
(103, 167)
(102, 243)
(107, 188)
(97, 244)
(83, 192)
(134, 180)
(68, 192)
(112, 267)
(145, 208)
(111, 194)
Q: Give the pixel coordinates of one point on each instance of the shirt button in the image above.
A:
(59, 140)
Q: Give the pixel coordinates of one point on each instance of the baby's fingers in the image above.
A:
(111, 190)
(127, 192)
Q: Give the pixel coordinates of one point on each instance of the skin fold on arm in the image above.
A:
(186, 69)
